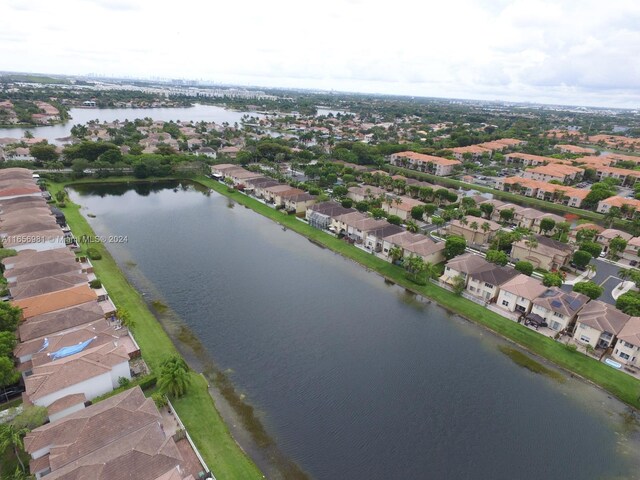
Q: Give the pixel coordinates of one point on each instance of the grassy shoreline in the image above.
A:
(196, 409)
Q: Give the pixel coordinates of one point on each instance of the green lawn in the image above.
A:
(623, 386)
(196, 409)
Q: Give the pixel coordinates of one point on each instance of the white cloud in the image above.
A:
(565, 51)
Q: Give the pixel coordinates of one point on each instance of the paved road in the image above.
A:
(606, 276)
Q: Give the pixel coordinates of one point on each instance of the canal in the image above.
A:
(352, 377)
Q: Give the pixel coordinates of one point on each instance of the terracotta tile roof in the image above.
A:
(524, 286)
(420, 157)
(66, 402)
(630, 333)
(603, 317)
(47, 285)
(51, 302)
(617, 201)
(43, 270)
(556, 300)
(66, 372)
(26, 258)
(111, 440)
(59, 320)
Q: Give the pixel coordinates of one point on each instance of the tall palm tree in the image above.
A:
(531, 242)
(474, 226)
(395, 253)
(10, 436)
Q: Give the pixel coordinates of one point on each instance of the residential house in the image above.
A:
(627, 348)
(517, 294)
(630, 204)
(415, 244)
(374, 239)
(40, 326)
(632, 252)
(231, 152)
(400, 206)
(573, 233)
(50, 302)
(366, 193)
(556, 308)
(298, 203)
(598, 323)
(475, 230)
(424, 163)
(548, 254)
(558, 172)
(117, 438)
(44, 285)
(320, 215)
(576, 150)
(92, 372)
(604, 237)
(482, 278)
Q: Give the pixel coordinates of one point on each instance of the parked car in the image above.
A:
(633, 263)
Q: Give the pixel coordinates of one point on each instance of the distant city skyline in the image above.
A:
(566, 52)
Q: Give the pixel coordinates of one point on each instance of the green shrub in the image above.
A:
(159, 399)
(123, 381)
(93, 253)
(95, 283)
(148, 382)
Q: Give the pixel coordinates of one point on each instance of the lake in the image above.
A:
(197, 113)
(352, 377)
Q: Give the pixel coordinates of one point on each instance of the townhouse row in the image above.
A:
(374, 235)
(549, 310)
(281, 195)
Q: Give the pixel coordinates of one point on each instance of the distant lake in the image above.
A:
(352, 377)
(197, 113)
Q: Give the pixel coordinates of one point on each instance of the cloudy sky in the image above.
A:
(584, 52)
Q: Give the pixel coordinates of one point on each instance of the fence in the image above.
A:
(193, 445)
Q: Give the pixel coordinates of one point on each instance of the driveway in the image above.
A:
(606, 276)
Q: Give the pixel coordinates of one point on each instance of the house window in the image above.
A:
(584, 339)
(582, 325)
(505, 303)
(488, 285)
(624, 355)
(471, 289)
(557, 314)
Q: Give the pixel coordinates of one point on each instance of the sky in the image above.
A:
(574, 52)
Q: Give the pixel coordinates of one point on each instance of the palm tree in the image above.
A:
(412, 226)
(464, 221)
(174, 376)
(485, 227)
(531, 242)
(395, 253)
(10, 436)
(474, 226)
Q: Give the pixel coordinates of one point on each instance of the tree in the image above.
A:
(531, 242)
(617, 245)
(416, 269)
(487, 208)
(458, 284)
(9, 317)
(417, 212)
(394, 220)
(547, 224)
(362, 206)
(8, 342)
(125, 318)
(430, 209)
(378, 213)
(590, 289)
(346, 203)
(629, 303)
(595, 249)
(552, 280)
(31, 417)
(524, 267)
(507, 214)
(412, 226)
(586, 234)
(395, 253)
(8, 373)
(498, 257)
(581, 258)
(43, 152)
(454, 246)
(78, 166)
(12, 437)
(174, 376)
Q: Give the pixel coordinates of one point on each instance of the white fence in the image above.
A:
(193, 445)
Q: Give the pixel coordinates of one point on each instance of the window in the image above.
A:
(488, 285)
(557, 314)
(584, 339)
(582, 325)
(505, 303)
(624, 355)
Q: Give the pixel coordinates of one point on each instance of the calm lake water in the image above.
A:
(353, 378)
(197, 113)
